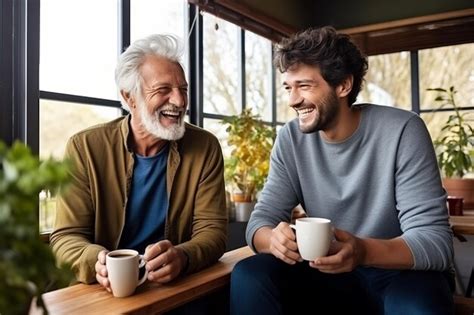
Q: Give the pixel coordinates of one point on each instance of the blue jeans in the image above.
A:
(263, 284)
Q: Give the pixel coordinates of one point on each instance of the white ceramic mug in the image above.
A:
(123, 270)
(313, 236)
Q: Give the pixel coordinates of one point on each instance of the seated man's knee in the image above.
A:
(252, 270)
(416, 305)
(253, 289)
(419, 293)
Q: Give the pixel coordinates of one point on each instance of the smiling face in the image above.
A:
(313, 99)
(161, 107)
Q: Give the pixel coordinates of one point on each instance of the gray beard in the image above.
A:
(152, 124)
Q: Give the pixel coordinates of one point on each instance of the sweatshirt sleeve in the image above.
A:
(278, 196)
(421, 200)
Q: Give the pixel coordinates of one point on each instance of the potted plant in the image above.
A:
(27, 265)
(247, 166)
(455, 148)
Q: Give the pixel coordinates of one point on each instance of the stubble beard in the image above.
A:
(327, 111)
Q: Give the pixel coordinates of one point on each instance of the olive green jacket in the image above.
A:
(91, 211)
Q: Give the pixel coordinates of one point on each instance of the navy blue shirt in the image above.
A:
(147, 204)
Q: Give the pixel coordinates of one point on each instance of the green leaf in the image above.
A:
(456, 138)
(251, 141)
(27, 265)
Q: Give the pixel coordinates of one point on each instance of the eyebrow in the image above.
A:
(164, 84)
(301, 81)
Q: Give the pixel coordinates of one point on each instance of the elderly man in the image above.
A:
(147, 181)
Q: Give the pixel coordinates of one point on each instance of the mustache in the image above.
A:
(171, 107)
(304, 104)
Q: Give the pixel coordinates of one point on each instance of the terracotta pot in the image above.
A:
(461, 187)
(238, 197)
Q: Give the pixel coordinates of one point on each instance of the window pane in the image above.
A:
(218, 129)
(152, 16)
(78, 47)
(258, 65)
(284, 112)
(388, 81)
(434, 120)
(220, 57)
(444, 67)
(47, 211)
(58, 122)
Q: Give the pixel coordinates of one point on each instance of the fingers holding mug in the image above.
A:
(101, 273)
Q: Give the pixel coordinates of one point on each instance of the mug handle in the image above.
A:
(145, 275)
(292, 226)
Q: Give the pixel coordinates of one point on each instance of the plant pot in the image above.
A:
(461, 187)
(239, 197)
(243, 210)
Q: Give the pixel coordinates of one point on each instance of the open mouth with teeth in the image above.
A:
(171, 116)
(306, 112)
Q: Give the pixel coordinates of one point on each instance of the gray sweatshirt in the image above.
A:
(382, 182)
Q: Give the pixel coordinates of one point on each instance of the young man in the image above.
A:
(371, 170)
(147, 181)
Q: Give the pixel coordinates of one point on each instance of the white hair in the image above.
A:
(127, 72)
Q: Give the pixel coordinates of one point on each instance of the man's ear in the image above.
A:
(128, 98)
(345, 87)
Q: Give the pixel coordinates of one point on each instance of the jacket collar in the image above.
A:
(125, 130)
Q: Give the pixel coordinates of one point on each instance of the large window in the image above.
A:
(77, 62)
(77, 70)
(80, 40)
(76, 58)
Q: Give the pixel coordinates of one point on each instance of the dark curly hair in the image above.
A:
(333, 53)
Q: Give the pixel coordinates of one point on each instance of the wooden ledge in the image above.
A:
(463, 305)
(150, 298)
(463, 224)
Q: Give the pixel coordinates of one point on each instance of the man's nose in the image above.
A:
(178, 97)
(295, 98)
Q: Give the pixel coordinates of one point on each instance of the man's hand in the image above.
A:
(101, 270)
(283, 244)
(164, 261)
(345, 254)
